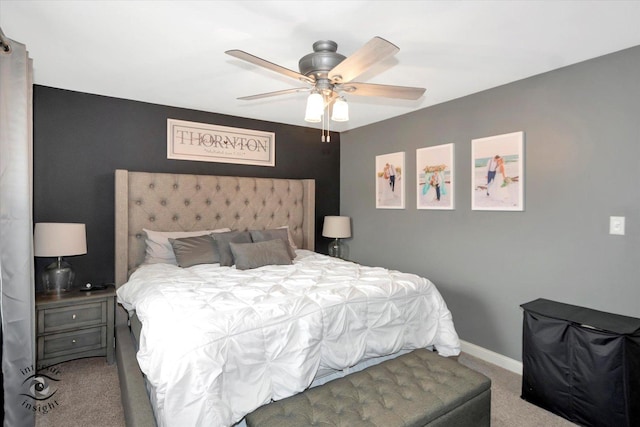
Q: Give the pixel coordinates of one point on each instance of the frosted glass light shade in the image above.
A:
(315, 108)
(340, 110)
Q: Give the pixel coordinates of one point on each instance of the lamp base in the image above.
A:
(338, 249)
(58, 277)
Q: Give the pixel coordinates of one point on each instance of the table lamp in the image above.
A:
(337, 227)
(54, 239)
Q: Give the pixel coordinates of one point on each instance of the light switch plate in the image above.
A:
(616, 225)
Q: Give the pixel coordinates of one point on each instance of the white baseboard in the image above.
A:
(491, 357)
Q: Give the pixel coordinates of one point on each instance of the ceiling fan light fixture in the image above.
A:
(340, 110)
(330, 73)
(315, 108)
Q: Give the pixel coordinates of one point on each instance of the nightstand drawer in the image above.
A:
(75, 324)
(78, 341)
(71, 317)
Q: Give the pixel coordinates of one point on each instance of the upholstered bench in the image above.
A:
(419, 388)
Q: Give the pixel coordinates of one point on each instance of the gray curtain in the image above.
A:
(16, 231)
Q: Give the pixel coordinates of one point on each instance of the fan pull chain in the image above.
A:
(328, 124)
(322, 139)
(324, 117)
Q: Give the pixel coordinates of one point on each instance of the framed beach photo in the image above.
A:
(435, 181)
(497, 171)
(390, 181)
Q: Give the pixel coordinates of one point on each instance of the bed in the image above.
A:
(288, 327)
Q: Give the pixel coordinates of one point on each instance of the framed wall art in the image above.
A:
(211, 143)
(497, 173)
(435, 178)
(390, 182)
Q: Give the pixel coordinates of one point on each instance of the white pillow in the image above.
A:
(291, 242)
(158, 248)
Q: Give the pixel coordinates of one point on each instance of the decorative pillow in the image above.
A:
(254, 255)
(224, 239)
(195, 250)
(158, 248)
(289, 236)
(276, 233)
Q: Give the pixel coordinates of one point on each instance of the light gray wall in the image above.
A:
(582, 160)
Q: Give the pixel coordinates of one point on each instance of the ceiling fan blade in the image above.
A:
(375, 50)
(387, 91)
(269, 65)
(276, 93)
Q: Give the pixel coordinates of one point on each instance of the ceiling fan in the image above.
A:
(327, 73)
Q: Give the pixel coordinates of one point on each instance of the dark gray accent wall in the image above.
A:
(81, 139)
(582, 160)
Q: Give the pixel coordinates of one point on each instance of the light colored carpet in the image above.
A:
(507, 408)
(89, 396)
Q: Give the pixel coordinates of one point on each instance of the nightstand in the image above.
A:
(75, 324)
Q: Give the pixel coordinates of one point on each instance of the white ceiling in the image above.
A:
(172, 52)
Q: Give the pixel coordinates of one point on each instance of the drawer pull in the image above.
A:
(73, 317)
(73, 341)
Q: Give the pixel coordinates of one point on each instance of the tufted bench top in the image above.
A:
(416, 389)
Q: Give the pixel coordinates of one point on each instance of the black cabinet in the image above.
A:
(581, 364)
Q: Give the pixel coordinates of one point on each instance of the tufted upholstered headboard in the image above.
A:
(179, 202)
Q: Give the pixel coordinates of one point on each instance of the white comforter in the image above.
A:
(217, 343)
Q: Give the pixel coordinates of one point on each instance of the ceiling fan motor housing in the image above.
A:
(323, 59)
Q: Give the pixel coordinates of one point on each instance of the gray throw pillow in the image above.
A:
(254, 255)
(224, 239)
(195, 250)
(271, 234)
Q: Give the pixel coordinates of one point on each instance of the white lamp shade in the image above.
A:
(338, 227)
(55, 239)
(315, 108)
(340, 111)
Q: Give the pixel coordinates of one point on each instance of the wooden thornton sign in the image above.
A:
(211, 143)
